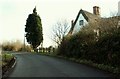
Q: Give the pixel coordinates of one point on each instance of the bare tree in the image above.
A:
(60, 30)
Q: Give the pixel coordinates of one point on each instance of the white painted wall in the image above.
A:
(77, 26)
(119, 8)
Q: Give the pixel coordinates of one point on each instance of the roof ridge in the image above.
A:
(87, 15)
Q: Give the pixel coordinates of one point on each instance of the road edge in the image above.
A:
(86, 64)
(10, 68)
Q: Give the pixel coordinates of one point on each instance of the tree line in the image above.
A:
(15, 46)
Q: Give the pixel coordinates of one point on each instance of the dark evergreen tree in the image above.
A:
(33, 29)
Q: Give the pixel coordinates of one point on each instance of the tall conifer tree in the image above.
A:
(33, 29)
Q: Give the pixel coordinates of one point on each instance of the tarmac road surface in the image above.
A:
(36, 65)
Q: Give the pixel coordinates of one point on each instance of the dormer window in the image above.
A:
(81, 22)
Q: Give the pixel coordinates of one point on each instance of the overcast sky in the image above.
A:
(13, 15)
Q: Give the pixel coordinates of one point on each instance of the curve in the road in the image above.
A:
(34, 65)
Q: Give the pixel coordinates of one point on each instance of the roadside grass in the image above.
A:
(6, 58)
(7, 62)
(108, 68)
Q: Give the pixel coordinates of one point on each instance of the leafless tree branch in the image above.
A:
(60, 29)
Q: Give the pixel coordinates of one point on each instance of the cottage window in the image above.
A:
(81, 22)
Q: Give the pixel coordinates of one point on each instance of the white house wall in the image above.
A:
(77, 26)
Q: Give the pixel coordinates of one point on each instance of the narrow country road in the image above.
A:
(34, 65)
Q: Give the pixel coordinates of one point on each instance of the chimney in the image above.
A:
(96, 10)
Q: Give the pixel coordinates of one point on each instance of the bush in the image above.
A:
(15, 46)
(104, 49)
(6, 58)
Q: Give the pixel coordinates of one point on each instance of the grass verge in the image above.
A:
(6, 58)
(7, 62)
